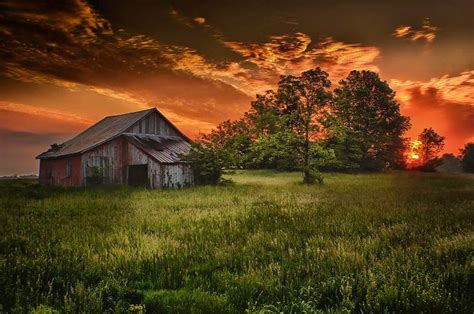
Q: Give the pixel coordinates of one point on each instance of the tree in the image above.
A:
(467, 157)
(232, 139)
(431, 145)
(345, 144)
(366, 106)
(303, 101)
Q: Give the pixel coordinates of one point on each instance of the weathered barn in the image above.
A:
(140, 148)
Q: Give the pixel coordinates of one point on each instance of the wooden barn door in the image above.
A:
(138, 175)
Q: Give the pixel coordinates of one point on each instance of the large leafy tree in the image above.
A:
(366, 106)
(431, 145)
(303, 101)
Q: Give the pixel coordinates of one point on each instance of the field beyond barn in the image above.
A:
(372, 242)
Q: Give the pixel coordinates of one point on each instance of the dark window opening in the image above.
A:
(68, 170)
(138, 175)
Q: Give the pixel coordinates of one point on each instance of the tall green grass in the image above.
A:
(368, 242)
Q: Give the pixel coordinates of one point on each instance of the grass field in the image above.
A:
(368, 242)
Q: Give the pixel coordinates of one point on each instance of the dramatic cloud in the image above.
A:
(135, 68)
(293, 54)
(427, 32)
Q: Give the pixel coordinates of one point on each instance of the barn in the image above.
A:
(139, 148)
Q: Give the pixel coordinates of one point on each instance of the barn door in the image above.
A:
(138, 175)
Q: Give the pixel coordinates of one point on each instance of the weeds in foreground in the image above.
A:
(372, 242)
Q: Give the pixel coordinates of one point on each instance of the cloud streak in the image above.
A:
(427, 32)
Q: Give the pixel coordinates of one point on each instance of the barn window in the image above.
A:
(68, 169)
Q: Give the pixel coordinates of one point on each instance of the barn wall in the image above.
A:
(176, 175)
(53, 172)
(137, 157)
(161, 175)
(153, 124)
(109, 158)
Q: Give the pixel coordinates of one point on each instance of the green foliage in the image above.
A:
(366, 106)
(467, 157)
(345, 145)
(231, 139)
(274, 151)
(392, 242)
(206, 162)
(361, 126)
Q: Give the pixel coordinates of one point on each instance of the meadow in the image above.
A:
(389, 242)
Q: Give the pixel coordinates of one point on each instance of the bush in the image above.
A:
(206, 163)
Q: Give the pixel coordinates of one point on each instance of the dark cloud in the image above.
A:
(76, 46)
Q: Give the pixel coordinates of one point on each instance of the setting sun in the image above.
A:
(413, 155)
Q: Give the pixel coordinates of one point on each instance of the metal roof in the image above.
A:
(164, 149)
(106, 129)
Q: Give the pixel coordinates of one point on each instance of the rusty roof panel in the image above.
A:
(164, 149)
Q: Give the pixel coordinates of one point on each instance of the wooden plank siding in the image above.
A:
(112, 159)
(108, 158)
(137, 157)
(153, 124)
(54, 171)
(176, 175)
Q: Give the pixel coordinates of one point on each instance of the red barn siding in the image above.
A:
(113, 151)
(53, 171)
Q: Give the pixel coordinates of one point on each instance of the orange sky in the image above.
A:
(63, 67)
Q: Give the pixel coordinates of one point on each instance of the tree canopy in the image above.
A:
(365, 105)
(305, 125)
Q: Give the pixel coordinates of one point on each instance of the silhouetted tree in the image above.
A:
(467, 157)
(431, 145)
(366, 106)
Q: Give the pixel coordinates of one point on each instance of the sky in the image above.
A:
(66, 64)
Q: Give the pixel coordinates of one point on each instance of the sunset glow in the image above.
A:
(65, 66)
(413, 153)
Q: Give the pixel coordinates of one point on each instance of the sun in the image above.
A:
(412, 154)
